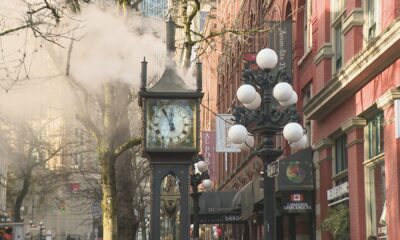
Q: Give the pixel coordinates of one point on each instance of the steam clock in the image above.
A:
(171, 120)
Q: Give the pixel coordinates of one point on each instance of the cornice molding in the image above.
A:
(355, 142)
(354, 122)
(386, 100)
(325, 51)
(322, 143)
(359, 71)
(355, 18)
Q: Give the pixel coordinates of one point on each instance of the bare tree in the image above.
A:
(31, 155)
(141, 183)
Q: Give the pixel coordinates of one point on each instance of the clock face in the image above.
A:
(171, 124)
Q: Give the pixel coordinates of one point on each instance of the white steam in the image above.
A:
(111, 48)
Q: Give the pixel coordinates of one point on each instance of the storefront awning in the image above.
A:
(248, 196)
(216, 207)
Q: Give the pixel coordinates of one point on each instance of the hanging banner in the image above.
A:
(280, 40)
(209, 152)
(224, 122)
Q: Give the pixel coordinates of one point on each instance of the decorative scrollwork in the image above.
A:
(270, 114)
(197, 178)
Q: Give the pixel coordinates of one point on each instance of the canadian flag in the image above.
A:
(297, 197)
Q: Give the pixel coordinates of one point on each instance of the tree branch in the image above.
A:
(129, 144)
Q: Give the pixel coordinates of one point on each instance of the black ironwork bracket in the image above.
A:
(197, 178)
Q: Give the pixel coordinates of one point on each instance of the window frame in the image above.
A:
(378, 132)
(338, 15)
(307, 25)
(341, 143)
(370, 162)
(367, 25)
(370, 186)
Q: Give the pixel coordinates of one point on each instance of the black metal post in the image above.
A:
(269, 155)
(195, 181)
(196, 218)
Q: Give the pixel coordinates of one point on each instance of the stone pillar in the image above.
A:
(392, 164)
(323, 176)
(354, 128)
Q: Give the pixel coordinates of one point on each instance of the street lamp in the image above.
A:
(267, 116)
(196, 178)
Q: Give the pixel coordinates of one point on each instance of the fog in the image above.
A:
(106, 47)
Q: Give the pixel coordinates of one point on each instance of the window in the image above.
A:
(339, 14)
(307, 26)
(375, 136)
(340, 154)
(376, 199)
(338, 46)
(372, 17)
(307, 123)
(375, 177)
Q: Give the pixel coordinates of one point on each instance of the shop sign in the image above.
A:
(338, 191)
(296, 172)
(297, 202)
(231, 218)
(209, 153)
(223, 123)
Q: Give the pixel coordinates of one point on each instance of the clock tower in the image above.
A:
(171, 125)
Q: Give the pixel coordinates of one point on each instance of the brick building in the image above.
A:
(345, 67)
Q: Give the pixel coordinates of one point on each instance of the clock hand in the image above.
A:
(171, 124)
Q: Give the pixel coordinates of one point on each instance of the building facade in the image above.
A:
(354, 60)
(345, 68)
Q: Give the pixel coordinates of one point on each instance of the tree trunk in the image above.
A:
(126, 220)
(109, 201)
(20, 198)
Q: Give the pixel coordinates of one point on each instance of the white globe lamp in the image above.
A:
(266, 58)
(282, 91)
(202, 166)
(207, 184)
(246, 93)
(302, 143)
(255, 103)
(237, 134)
(292, 132)
(248, 144)
(292, 100)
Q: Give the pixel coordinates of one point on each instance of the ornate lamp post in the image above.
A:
(196, 178)
(265, 116)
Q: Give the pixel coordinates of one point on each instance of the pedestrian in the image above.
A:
(372, 238)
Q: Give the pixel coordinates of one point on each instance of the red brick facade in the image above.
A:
(344, 99)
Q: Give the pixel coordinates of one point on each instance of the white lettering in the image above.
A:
(338, 191)
(297, 206)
